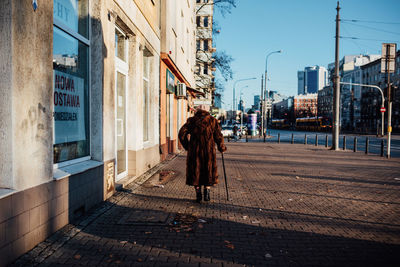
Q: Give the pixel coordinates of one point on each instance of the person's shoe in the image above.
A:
(198, 195)
(206, 194)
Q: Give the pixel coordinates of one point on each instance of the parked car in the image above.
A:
(227, 131)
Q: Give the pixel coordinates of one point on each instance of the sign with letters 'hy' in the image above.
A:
(69, 110)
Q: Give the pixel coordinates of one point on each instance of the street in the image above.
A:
(374, 146)
(291, 205)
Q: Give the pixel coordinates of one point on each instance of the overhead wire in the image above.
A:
(358, 44)
(369, 21)
(372, 28)
(354, 42)
(368, 39)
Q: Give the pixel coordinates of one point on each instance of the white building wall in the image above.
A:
(178, 35)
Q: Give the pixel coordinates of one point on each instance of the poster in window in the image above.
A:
(69, 110)
(170, 83)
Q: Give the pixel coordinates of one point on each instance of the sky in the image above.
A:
(304, 30)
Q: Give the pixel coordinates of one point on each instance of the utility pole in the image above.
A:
(388, 66)
(262, 104)
(336, 95)
(389, 120)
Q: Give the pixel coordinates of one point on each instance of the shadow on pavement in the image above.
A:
(113, 240)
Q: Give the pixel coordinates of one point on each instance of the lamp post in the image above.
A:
(264, 108)
(234, 93)
(242, 110)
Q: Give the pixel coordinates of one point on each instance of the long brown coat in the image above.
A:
(198, 136)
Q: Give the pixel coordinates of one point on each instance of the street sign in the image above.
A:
(388, 58)
(383, 109)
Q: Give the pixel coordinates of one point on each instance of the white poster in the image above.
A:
(69, 112)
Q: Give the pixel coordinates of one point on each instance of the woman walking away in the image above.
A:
(198, 136)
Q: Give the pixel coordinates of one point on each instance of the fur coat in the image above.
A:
(198, 136)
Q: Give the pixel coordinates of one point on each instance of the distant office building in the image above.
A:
(300, 82)
(217, 100)
(311, 80)
(256, 102)
(241, 105)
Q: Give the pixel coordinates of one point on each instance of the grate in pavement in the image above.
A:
(146, 217)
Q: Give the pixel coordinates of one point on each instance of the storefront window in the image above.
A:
(70, 82)
(72, 14)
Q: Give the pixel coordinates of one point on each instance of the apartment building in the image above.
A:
(84, 104)
(204, 50)
(177, 82)
(371, 98)
(305, 105)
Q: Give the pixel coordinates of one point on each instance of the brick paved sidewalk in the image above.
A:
(292, 205)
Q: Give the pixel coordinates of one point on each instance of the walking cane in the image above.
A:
(226, 182)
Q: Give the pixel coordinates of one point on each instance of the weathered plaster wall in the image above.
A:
(32, 76)
(178, 35)
(151, 10)
(98, 53)
(108, 26)
(6, 137)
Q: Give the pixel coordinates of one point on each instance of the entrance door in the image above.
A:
(121, 125)
(121, 77)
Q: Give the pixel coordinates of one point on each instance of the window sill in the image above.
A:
(67, 171)
(5, 192)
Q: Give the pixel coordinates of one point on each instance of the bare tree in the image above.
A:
(223, 6)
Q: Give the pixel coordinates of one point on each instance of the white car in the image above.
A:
(227, 131)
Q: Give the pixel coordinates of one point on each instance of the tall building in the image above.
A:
(204, 63)
(218, 100)
(311, 79)
(177, 81)
(257, 102)
(300, 82)
(241, 105)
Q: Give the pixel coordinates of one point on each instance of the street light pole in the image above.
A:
(265, 108)
(242, 110)
(336, 94)
(234, 92)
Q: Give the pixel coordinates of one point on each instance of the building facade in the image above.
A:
(84, 106)
(305, 105)
(176, 71)
(371, 119)
(284, 109)
(325, 102)
(204, 53)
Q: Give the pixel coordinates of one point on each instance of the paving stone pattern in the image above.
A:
(291, 205)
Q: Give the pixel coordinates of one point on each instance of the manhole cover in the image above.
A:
(146, 217)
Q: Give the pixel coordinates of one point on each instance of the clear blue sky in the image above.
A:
(304, 30)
